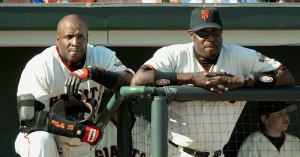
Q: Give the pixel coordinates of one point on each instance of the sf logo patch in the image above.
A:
(266, 79)
(162, 82)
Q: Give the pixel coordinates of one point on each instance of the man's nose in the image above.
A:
(75, 41)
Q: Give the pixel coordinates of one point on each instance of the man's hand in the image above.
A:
(68, 117)
(227, 82)
(218, 82)
(76, 77)
(56, 124)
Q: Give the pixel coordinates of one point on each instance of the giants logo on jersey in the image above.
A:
(112, 152)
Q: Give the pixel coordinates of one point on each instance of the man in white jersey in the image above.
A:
(81, 67)
(272, 140)
(202, 128)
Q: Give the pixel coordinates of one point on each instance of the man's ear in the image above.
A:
(191, 33)
(57, 39)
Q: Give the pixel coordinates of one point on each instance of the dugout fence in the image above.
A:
(161, 96)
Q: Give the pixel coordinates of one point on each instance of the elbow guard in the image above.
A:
(29, 111)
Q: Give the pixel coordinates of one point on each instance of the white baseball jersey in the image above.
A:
(258, 145)
(206, 125)
(44, 76)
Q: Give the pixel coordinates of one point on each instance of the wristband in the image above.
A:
(165, 78)
(104, 77)
(268, 79)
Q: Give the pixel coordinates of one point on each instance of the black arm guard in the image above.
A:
(30, 112)
(39, 123)
(104, 77)
(33, 118)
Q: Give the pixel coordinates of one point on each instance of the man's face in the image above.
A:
(277, 121)
(71, 40)
(207, 42)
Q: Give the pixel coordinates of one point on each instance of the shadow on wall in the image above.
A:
(13, 59)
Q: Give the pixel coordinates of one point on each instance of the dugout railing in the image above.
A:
(161, 96)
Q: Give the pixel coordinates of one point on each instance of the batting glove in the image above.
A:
(77, 77)
(87, 133)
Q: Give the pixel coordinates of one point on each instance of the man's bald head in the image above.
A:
(71, 19)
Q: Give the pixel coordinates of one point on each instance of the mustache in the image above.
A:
(210, 45)
(74, 50)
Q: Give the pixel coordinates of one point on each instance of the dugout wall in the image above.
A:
(24, 32)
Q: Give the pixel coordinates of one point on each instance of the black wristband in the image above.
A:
(267, 79)
(165, 78)
(105, 78)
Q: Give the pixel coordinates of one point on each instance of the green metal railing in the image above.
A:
(163, 95)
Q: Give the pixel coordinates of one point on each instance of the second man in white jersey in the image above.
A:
(202, 128)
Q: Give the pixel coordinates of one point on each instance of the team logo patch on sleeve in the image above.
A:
(162, 82)
(266, 79)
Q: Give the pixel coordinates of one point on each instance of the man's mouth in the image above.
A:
(74, 50)
(74, 54)
(210, 45)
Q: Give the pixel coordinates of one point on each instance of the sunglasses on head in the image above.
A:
(204, 33)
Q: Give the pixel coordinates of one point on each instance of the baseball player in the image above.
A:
(71, 66)
(202, 128)
(271, 139)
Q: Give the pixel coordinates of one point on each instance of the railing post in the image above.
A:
(124, 137)
(159, 127)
